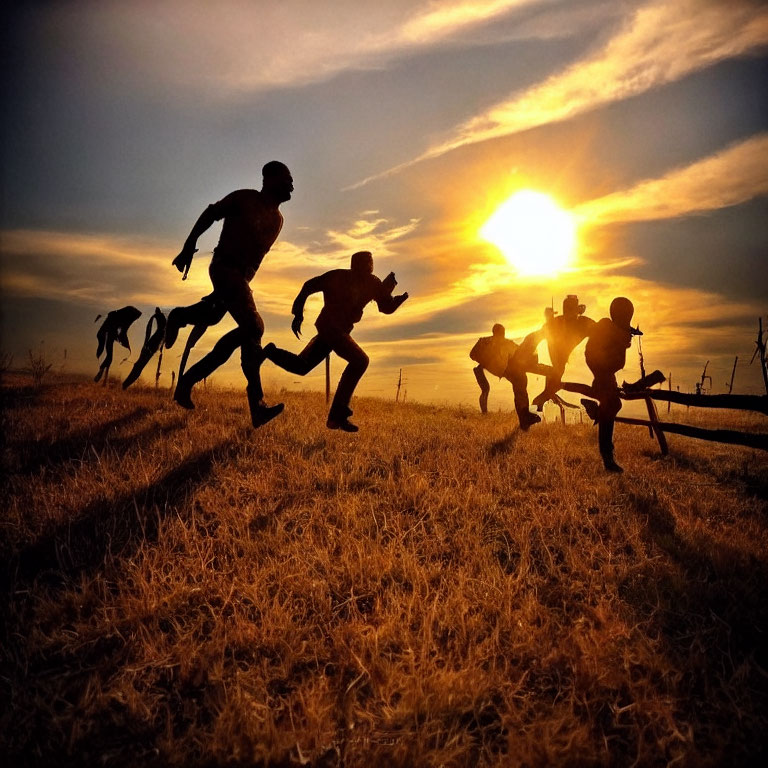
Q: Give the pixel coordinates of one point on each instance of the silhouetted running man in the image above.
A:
(152, 342)
(252, 222)
(491, 353)
(606, 353)
(345, 294)
(114, 328)
(563, 334)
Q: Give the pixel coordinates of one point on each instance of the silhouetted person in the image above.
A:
(152, 342)
(606, 353)
(563, 334)
(524, 361)
(114, 328)
(252, 222)
(491, 353)
(345, 294)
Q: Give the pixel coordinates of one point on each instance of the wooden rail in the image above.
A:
(750, 439)
(757, 403)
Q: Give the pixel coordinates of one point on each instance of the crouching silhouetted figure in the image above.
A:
(152, 342)
(563, 334)
(114, 328)
(345, 294)
(491, 353)
(606, 353)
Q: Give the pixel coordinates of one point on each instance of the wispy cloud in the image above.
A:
(106, 271)
(662, 42)
(735, 175)
(102, 271)
(247, 46)
(440, 20)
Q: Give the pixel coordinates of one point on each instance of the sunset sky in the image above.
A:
(406, 124)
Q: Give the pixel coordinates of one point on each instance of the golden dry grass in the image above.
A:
(438, 590)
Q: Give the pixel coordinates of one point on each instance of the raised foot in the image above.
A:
(183, 397)
(344, 424)
(264, 413)
(591, 407)
(539, 401)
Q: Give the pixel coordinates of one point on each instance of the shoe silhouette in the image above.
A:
(344, 424)
(265, 414)
(529, 421)
(182, 395)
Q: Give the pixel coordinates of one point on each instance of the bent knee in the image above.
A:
(360, 362)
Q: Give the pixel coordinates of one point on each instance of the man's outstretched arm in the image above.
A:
(183, 261)
(385, 301)
(389, 304)
(313, 285)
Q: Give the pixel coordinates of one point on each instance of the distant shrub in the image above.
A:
(38, 367)
(6, 359)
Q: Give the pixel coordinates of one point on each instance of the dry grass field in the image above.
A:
(438, 590)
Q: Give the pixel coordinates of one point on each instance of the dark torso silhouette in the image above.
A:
(493, 353)
(606, 350)
(563, 334)
(345, 294)
(249, 230)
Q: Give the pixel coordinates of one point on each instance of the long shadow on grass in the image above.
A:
(751, 478)
(45, 693)
(109, 530)
(48, 687)
(707, 601)
(29, 456)
(505, 445)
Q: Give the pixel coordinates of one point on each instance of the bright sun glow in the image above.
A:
(534, 234)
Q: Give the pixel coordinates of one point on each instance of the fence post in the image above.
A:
(733, 373)
(669, 402)
(654, 428)
(761, 352)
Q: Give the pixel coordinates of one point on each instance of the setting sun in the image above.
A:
(535, 235)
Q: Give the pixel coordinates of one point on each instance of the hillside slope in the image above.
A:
(438, 590)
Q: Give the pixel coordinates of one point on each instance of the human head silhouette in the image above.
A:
(622, 310)
(571, 306)
(362, 261)
(498, 330)
(277, 181)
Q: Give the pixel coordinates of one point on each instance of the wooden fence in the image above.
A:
(758, 403)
